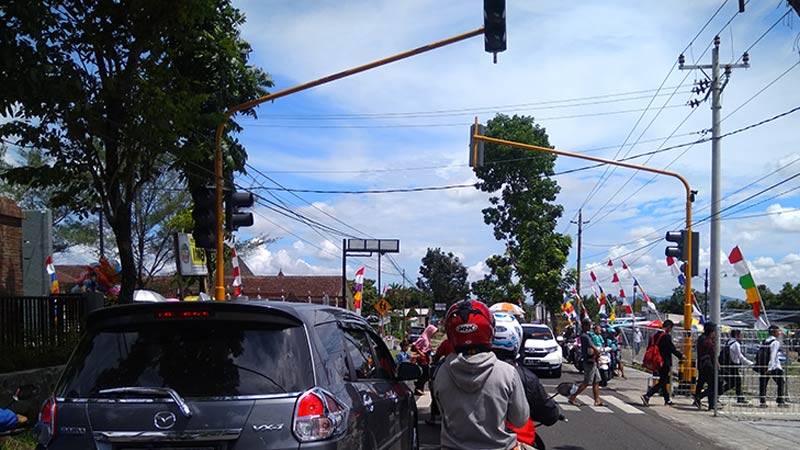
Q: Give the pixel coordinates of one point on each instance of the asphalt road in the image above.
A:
(620, 425)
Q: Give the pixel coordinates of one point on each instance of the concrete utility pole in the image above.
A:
(580, 223)
(716, 106)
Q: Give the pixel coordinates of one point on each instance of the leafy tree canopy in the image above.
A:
(443, 277)
(498, 285)
(522, 212)
(112, 92)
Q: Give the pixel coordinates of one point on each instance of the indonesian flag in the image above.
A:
(51, 270)
(359, 286)
(237, 278)
(748, 284)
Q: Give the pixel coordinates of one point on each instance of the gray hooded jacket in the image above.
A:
(477, 394)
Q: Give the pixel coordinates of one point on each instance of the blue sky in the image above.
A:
(594, 75)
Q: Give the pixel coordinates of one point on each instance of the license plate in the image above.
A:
(533, 362)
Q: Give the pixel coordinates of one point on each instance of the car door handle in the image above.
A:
(367, 401)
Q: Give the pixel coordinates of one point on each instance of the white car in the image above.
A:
(540, 351)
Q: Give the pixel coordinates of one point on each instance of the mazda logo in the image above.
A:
(164, 420)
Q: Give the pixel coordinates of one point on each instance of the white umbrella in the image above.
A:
(143, 295)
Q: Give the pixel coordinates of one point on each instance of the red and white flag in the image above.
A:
(615, 279)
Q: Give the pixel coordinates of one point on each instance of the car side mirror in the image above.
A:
(408, 371)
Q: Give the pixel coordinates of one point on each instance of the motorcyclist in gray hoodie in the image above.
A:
(476, 392)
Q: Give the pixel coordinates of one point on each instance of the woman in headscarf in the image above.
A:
(421, 351)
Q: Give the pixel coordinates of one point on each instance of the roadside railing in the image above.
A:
(749, 405)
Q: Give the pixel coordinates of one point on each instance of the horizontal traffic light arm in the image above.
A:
(219, 290)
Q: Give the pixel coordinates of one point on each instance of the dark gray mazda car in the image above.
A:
(228, 376)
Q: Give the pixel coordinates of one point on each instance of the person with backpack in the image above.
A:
(731, 360)
(706, 359)
(770, 366)
(662, 343)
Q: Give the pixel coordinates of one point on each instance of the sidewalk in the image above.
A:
(722, 430)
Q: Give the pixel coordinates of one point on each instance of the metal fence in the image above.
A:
(31, 323)
(749, 406)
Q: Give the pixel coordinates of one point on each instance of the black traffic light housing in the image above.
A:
(494, 26)
(679, 250)
(234, 217)
(204, 214)
(476, 157)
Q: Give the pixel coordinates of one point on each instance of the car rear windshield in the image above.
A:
(538, 333)
(196, 359)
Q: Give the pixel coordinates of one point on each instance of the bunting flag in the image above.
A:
(237, 277)
(623, 299)
(359, 286)
(636, 284)
(51, 270)
(676, 271)
(568, 309)
(601, 299)
(579, 301)
(751, 291)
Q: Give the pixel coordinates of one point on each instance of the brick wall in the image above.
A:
(10, 247)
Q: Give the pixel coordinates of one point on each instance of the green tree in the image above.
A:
(789, 296)
(522, 212)
(114, 91)
(674, 305)
(498, 285)
(443, 277)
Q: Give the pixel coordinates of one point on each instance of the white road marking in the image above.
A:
(589, 401)
(622, 405)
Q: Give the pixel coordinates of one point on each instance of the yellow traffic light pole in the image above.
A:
(219, 290)
(687, 305)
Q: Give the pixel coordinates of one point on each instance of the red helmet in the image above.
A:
(469, 325)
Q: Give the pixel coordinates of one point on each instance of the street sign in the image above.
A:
(382, 307)
(440, 306)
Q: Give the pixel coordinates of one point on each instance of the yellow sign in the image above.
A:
(382, 307)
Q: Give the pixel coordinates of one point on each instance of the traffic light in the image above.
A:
(234, 218)
(494, 26)
(679, 250)
(204, 214)
(476, 157)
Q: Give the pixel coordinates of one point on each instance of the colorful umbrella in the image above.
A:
(653, 324)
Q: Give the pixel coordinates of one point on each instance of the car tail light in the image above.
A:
(46, 427)
(318, 415)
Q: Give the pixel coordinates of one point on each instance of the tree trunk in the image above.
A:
(122, 231)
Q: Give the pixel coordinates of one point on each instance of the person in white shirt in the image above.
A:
(637, 340)
(774, 369)
(733, 378)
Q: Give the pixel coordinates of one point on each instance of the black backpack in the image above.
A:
(725, 354)
(762, 357)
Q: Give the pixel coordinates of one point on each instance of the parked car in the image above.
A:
(541, 351)
(230, 375)
(414, 332)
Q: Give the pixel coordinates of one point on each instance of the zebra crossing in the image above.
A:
(612, 405)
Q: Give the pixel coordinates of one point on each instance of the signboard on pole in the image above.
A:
(440, 306)
(191, 259)
(382, 307)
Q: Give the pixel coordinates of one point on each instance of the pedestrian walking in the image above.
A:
(706, 361)
(731, 361)
(773, 370)
(663, 340)
(421, 356)
(477, 393)
(591, 374)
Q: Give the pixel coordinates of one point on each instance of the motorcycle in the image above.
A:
(565, 389)
(24, 392)
(577, 355)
